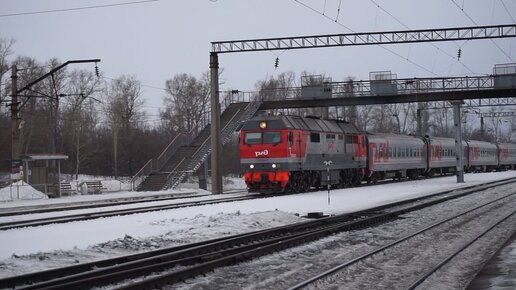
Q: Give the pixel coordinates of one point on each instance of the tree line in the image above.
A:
(100, 123)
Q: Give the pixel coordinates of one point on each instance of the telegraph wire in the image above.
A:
(382, 46)
(325, 16)
(338, 11)
(474, 22)
(432, 44)
(508, 12)
(141, 84)
(76, 8)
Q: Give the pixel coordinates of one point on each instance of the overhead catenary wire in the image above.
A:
(338, 11)
(508, 12)
(474, 22)
(353, 31)
(432, 44)
(76, 8)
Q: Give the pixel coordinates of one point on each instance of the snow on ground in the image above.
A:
(61, 244)
(20, 191)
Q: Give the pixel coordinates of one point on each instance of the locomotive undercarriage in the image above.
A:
(303, 181)
(411, 174)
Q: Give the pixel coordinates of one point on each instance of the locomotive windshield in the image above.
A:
(262, 138)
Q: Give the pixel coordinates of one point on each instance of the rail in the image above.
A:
(426, 275)
(222, 251)
(392, 244)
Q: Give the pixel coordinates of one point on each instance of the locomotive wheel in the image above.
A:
(295, 183)
(356, 180)
(305, 182)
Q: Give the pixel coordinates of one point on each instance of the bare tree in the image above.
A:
(279, 88)
(80, 116)
(186, 101)
(32, 114)
(5, 52)
(123, 113)
(441, 123)
(5, 143)
(54, 86)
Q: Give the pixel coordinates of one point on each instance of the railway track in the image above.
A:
(117, 212)
(395, 251)
(186, 261)
(24, 210)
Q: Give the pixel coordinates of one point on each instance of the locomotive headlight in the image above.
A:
(273, 165)
(251, 166)
(263, 125)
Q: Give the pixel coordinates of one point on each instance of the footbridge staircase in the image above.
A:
(188, 151)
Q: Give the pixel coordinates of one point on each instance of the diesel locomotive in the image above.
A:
(294, 154)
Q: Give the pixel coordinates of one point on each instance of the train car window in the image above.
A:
(253, 138)
(341, 137)
(315, 137)
(271, 137)
(290, 138)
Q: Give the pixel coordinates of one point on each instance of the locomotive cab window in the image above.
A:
(271, 137)
(262, 138)
(253, 138)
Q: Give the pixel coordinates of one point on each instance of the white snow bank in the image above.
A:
(181, 222)
(20, 191)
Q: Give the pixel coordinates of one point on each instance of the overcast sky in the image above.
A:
(155, 40)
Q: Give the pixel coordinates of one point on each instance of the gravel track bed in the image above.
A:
(287, 268)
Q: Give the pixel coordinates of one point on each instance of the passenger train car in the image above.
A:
(507, 156)
(294, 154)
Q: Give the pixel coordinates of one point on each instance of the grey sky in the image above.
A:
(156, 40)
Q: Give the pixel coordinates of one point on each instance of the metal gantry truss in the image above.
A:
(334, 40)
(474, 91)
(366, 38)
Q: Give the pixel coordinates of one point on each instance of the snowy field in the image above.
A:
(30, 249)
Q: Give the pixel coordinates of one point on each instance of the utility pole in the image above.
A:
(458, 141)
(216, 174)
(15, 126)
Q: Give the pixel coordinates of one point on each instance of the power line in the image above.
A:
(432, 44)
(508, 12)
(382, 46)
(143, 85)
(474, 22)
(76, 8)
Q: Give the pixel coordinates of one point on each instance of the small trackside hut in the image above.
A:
(43, 172)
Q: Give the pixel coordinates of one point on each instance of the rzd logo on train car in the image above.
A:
(261, 153)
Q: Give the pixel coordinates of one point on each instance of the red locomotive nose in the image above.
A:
(266, 181)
